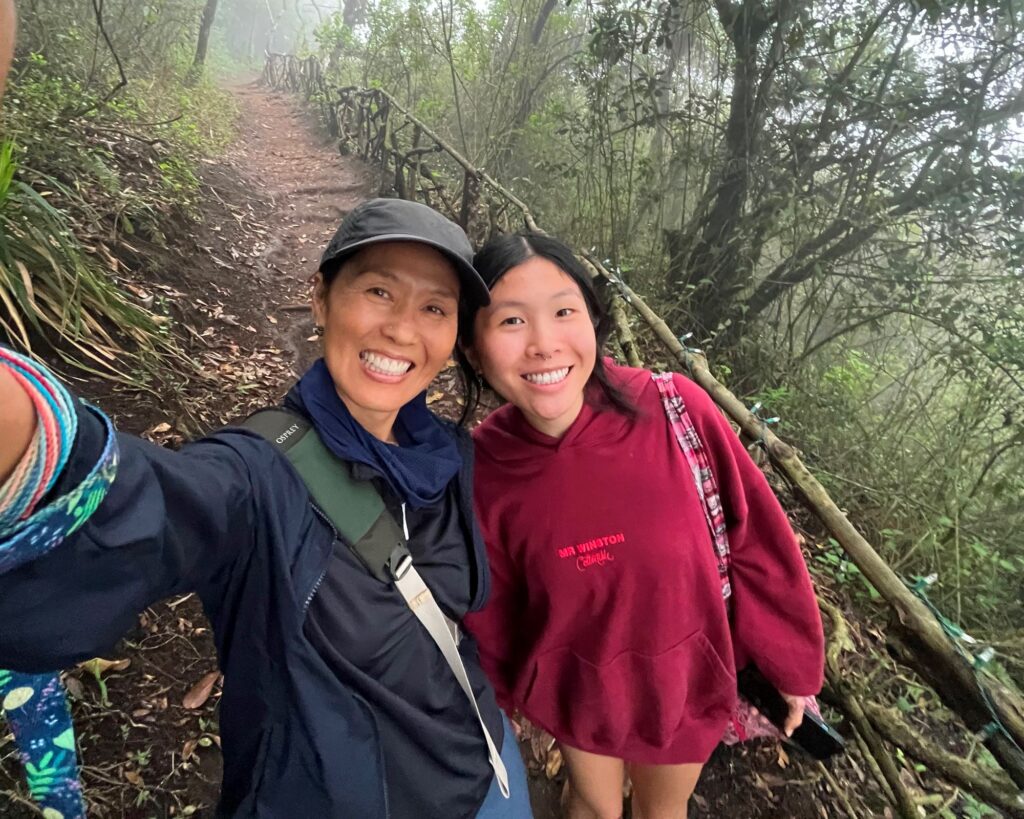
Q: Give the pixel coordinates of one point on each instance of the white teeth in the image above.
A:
(552, 377)
(384, 365)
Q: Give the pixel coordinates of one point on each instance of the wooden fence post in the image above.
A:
(470, 195)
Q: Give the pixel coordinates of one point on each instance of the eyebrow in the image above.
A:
(444, 292)
(569, 291)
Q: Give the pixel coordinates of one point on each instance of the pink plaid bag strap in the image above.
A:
(696, 456)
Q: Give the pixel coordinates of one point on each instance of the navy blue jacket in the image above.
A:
(229, 518)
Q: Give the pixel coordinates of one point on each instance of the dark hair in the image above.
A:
(330, 272)
(493, 261)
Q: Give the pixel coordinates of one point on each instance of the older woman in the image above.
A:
(342, 696)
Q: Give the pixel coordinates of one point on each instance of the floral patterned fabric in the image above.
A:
(35, 705)
(36, 709)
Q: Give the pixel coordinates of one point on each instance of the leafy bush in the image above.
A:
(49, 289)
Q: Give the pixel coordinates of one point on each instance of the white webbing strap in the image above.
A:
(424, 606)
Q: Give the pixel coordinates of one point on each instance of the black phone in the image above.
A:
(814, 736)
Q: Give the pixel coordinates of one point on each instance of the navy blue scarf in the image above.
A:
(417, 470)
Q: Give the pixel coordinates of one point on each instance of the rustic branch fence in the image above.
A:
(419, 164)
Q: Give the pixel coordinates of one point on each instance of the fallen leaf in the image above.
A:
(134, 778)
(199, 693)
(188, 749)
(97, 666)
(434, 397)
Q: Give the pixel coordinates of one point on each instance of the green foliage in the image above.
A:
(833, 562)
(969, 808)
(50, 288)
(91, 167)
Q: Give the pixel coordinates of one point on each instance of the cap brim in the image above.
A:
(469, 278)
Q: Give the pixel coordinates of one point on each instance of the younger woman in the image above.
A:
(607, 624)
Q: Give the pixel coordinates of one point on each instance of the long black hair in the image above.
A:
(493, 261)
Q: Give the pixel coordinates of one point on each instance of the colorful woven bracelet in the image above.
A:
(40, 460)
(16, 493)
(54, 404)
(57, 425)
(48, 527)
(66, 413)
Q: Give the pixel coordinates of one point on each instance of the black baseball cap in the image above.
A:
(399, 220)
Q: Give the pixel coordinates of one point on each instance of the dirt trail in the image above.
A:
(237, 285)
(309, 186)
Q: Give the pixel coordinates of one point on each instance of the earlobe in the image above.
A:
(472, 358)
(319, 302)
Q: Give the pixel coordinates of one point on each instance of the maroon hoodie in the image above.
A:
(606, 624)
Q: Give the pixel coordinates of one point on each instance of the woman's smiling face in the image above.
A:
(536, 344)
(390, 318)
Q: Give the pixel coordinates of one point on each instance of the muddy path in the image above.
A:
(236, 282)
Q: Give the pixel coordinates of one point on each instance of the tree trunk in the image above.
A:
(205, 25)
(353, 13)
(541, 21)
(713, 271)
(670, 201)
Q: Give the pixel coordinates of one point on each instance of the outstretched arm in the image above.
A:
(119, 523)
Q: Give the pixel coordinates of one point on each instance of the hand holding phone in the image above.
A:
(814, 735)
(795, 715)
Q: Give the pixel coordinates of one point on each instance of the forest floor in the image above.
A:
(236, 282)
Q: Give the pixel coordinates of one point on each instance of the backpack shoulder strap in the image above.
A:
(354, 507)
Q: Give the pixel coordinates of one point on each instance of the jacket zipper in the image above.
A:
(366, 705)
(380, 754)
(323, 572)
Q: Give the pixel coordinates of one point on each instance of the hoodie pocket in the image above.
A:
(631, 697)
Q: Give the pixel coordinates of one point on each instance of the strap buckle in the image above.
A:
(399, 562)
